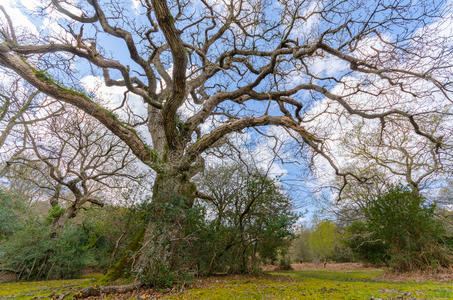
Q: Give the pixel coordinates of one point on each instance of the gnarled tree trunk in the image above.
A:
(156, 244)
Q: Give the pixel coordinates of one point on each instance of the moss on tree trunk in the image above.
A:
(164, 187)
(122, 267)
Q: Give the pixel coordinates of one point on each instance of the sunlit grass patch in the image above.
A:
(320, 285)
(309, 284)
(30, 289)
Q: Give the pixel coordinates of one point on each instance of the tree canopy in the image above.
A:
(240, 64)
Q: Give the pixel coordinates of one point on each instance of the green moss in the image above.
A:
(310, 284)
(32, 289)
(154, 154)
(155, 162)
(192, 190)
(171, 19)
(126, 125)
(165, 157)
(108, 112)
(54, 213)
(121, 268)
(319, 285)
(45, 77)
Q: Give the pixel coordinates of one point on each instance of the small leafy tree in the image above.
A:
(401, 230)
(323, 240)
(250, 219)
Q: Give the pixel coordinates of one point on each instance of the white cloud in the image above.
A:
(136, 5)
(21, 22)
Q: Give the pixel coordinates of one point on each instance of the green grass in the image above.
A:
(336, 275)
(310, 284)
(31, 289)
(320, 284)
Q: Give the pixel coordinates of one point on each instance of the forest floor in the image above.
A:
(337, 281)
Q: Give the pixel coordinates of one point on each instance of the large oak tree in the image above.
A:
(238, 64)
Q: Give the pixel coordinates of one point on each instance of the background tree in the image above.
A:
(323, 240)
(397, 155)
(21, 105)
(300, 248)
(251, 216)
(74, 160)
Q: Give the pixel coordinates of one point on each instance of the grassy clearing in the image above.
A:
(31, 289)
(320, 284)
(306, 284)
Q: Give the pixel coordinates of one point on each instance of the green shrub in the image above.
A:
(11, 211)
(33, 254)
(95, 239)
(365, 244)
(285, 263)
(300, 247)
(250, 223)
(401, 230)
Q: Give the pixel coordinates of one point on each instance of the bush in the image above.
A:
(401, 230)
(33, 254)
(365, 245)
(11, 211)
(300, 247)
(36, 251)
(285, 263)
(250, 221)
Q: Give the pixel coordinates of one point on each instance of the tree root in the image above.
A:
(98, 290)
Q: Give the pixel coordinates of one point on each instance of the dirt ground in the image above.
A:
(7, 277)
(446, 275)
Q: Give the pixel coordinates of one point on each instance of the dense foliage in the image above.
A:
(300, 248)
(37, 250)
(246, 220)
(365, 245)
(406, 223)
(11, 208)
(323, 240)
(251, 217)
(396, 227)
(233, 233)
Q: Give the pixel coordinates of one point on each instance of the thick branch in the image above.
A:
(166, 23)
(208, 140)
(138, 147)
